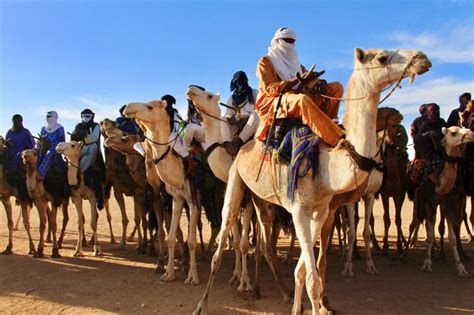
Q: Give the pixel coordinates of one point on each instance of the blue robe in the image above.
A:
(20, 141)
(127, 125)
(51, 157)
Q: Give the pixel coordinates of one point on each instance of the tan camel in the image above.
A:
(207, 104)
(154, 121)
(41, 198)
(454, 142)
(6, 192)
(138, 171)
(72, 151)
(375, 69)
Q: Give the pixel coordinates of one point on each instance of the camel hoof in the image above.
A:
(347, 272)
(234, 280)
(55, 253)
(113, 241)
(130, 238)
(78, 254)
(245, 285)
(32, 252)
(426, 268)
(462, 272)
(192, 280)
(168, 277)
(97, 251)
(8, 250)
(151, 250)
(121, 246)
(38, 254)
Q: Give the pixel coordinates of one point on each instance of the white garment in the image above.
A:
(247, 132)
(52, 122)
(283, 55)
(245, 110)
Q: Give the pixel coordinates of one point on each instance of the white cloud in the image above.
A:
(448, 45)
(443, 90)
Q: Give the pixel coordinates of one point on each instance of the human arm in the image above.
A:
(94, 136)
(270, 83)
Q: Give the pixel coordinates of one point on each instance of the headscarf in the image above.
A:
(240, 86)
(51, 122)
(170, 101)
(283, 55)
(17, 121)
(87, 117)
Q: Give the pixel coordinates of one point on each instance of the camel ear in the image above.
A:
(80, 143)
(359, 54)
(218, 96)
(444, 131)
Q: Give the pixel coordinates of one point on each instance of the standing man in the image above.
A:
(242, 119)
(18, 139)
(453, 119)
(278, 83)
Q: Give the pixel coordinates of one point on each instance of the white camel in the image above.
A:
(72, 151)
(338, 171)
(207, 104)
(154, 121)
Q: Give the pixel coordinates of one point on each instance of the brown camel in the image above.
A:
(6, 192)
(454, 142)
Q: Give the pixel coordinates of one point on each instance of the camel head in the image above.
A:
(2, 145)
(455, 140)
(106, 125)
(123, 144)
(204, 101)
(29, 157)
(379, 68)
(71, 150)
(388, 119)
(149, 116)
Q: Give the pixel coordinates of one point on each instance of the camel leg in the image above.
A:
(258, 259)
(369, 207)
(137, 218)
(121, 203)
(25, 213)
(347, 272)
(429, 240)
(64, 205)
(441, 231)
(49, 233)
(17, 223)
(233, 197)
(244, 248)
(238, 257)
(386, 222)
(265, 216)
(94, 219)
(109, 218)
(195, 213)
(398, 222)
(53, 223)
(308, 226)
(80, 225)
(375, 243)
(42, 208)
(201, 239)
(289, 253)
(8, 209)
(471, 217)
(462, 272)
(343, 217)
(466, 224)
(160, 235)
(322, 257)
(356, 224)
(175, 218)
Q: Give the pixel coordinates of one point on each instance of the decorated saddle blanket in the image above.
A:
(294, 141)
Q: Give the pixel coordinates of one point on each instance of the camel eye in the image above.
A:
(150, 107)
(382, 59)
(72, 146)
(453, 133)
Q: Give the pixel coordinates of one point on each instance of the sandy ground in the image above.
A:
(124, 281)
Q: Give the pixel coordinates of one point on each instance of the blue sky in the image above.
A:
(68, 55)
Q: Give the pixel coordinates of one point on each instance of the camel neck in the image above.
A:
(72, 170)
(212, 129)
(31, 177)
(360, 116)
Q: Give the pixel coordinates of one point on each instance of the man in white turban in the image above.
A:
(277, 76)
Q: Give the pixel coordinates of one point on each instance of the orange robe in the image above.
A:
(313, 110)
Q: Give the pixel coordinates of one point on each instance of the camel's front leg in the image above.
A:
(53, 223)
(238, 259)
(42, 208)
(429, 240)
(137, 218)
(64, 205)
(121, 203)
(347, 272)
(195, 212)
(244, 248)
(94, 219)
(398, 222)
(77, 200)
(233, 197)
(17, 223)
(386, 222)
(109, 218)
(175, 218)
(8, 209)
(369, 207)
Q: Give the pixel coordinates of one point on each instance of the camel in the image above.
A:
(41, 198)
(374, 70)
(72, 151)
(6, 192)
(138, 171)
(395, 186)
(454, 141)
(207, 104)
(122, 182)
(154, 121)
